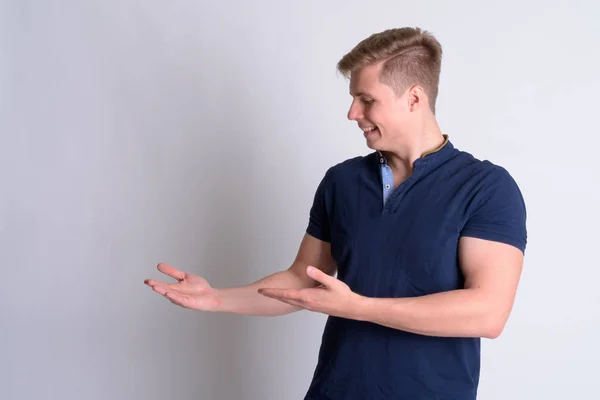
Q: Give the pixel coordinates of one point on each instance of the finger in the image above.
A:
(170, 271)
(173, 287)
(320, 276)
(167, 286)
(160, 289)
(154, 282)
(277, 294)
(282, 294)
(294, 303)
(179, 299)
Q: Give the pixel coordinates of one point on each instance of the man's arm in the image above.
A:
(492, 271)
(481, 309)
(194, 292)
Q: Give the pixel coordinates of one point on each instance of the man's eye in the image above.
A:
(367, 101)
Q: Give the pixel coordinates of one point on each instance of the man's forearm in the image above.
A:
(247, 301)
(457, 313)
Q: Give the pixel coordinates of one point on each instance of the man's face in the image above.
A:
(380, 114)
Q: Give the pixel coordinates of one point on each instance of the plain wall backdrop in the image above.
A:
(196, 132)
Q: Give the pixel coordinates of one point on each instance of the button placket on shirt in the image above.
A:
(419, 168)
(395, 197)
(387, 179)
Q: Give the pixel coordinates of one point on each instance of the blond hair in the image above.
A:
(409, 55)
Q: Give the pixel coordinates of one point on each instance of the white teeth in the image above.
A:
(369, 128)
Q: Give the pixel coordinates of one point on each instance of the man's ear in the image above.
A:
(416, 98)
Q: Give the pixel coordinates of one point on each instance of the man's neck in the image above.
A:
(402, 158)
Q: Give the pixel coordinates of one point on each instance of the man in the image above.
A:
(427, 243)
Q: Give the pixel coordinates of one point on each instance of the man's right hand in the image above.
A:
(190, 291)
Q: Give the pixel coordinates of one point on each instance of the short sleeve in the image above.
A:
(499, 212)
(318, 224)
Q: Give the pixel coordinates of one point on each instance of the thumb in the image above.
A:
(320, 276)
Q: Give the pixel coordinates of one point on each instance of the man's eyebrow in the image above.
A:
(359, 94)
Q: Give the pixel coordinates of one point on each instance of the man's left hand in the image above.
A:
(333, 297)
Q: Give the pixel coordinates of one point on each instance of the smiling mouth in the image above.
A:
(369, 130)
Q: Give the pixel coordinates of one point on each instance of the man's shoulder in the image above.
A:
(350, 166)
(484, 179)
(479, 168)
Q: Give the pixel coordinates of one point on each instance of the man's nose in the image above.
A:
(354, 112)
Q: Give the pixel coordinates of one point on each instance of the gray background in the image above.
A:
(196, 132)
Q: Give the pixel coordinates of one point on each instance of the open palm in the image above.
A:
(190, 291)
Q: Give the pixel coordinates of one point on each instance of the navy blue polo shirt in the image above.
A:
(403, 242)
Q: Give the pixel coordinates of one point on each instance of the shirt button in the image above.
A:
(381, 160)
(387, 186)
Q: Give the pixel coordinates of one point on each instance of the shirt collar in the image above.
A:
(427, 153)
(423, 166)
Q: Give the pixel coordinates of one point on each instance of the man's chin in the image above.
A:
(373, 143)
